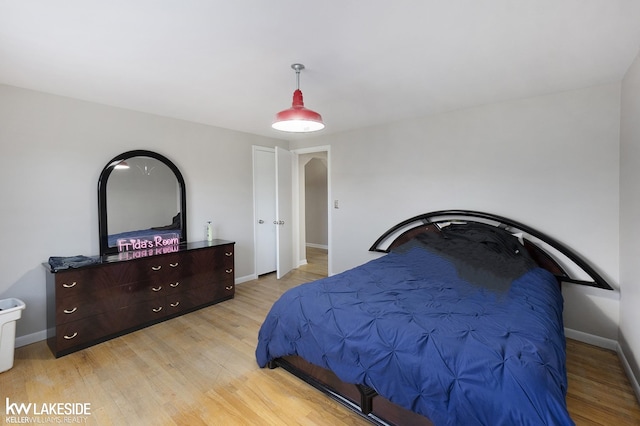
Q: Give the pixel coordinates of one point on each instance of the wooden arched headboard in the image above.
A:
(543, 248)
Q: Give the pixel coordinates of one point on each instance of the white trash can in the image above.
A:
(10, 312)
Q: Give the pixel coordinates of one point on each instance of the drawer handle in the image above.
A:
(71, 337)
(156, 288)
(156, 268)
(228, 253)
(70, 311)
(73, 284)
(173, 265)
(173, 305)
(228, 271)
(157, 309)
(229, 287)
(174, 285)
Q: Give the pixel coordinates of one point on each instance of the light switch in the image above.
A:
(336, 204)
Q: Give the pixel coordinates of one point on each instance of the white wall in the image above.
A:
(551, 162)
(52, 152)
(630, 219)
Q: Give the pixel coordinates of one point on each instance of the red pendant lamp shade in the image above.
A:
(298, 119)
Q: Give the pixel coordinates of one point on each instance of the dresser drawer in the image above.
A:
(210, 266)
(89, 329)
(97, 280)
(208, 294)
(162, 268)
(76, 306)
(224, 289)
(89, 281)
(103, 325)
(152, 289)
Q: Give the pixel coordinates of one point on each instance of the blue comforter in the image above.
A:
(455, 351)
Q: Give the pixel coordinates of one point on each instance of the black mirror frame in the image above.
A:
(102, 196)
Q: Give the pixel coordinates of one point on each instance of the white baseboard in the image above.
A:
(601, 342)
(240, 280)
(633, 380)
(31, 338)
(318, 246)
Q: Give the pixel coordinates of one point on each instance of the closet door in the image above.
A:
(284, 211)
(264, 182)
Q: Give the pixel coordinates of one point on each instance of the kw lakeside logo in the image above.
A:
(46, 413)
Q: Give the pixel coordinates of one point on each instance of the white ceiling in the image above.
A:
(227, 63)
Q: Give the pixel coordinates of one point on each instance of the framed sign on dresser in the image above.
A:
(147, 271)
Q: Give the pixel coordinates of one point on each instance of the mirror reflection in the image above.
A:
(142, 193)
(142, 201)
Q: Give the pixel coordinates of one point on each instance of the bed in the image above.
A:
(459, 323)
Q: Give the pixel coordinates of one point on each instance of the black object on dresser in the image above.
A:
(125, 292)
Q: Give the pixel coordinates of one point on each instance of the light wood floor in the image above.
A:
(200, 369)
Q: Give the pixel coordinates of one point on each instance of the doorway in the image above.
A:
(313, 209)
(314, 220)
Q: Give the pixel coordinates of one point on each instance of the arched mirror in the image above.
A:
(141, 203)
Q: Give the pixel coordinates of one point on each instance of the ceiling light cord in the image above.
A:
(297, 68)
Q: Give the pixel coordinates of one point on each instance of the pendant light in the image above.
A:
(298, 119)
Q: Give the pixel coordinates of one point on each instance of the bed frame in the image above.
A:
(549, 253)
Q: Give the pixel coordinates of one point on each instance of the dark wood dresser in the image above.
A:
(124, 292)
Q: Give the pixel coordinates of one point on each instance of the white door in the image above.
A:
(264, 181)
(284, 212)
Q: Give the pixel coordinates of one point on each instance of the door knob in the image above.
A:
(261, 221)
